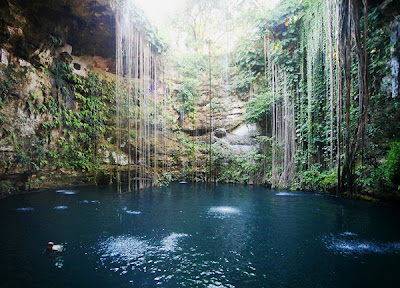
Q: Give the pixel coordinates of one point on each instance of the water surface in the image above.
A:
(186, 236)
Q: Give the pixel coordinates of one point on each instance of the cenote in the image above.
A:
(116, 116)
(188, 236)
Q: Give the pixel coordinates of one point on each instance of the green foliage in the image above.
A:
(282, 25)
(296, 37)
(217, 106)
(7, 187)
(384, 125)
(4, 88)
(187, 148)
(191, 68)
(57, 41)
(249, 58)
(164, 180)
(73, 156)
(230, 166)
(324, 181)
(309, 179)
(293, 40)
(141, 22)
(242, 81)
(85, 125)
(258, 107)
(82, 113)
(371, 178)
(392, 165)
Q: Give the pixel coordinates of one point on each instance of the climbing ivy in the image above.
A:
(284, 67)
(75, 121)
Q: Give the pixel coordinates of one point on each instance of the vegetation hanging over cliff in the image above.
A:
(58, 127)
(57, 99)
(319, 81)
(328, 110)
(319, 78)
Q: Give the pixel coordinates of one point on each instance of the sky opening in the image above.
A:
(159, 10)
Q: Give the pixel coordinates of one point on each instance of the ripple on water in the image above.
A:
(66, 192)
(288, 194)
(131, 211)
(218, 284)
(62, 207)
(345, 246)
(170, 243)
(90, 202)
(223, 211)
(24, 209)
(123, 249)
(164, 261)
(348, 233)
(125, 253)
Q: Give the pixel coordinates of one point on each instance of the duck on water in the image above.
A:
(54, 247)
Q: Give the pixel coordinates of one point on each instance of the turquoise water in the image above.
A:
(185, 236)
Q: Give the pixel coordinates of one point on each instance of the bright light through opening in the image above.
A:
(158, 10)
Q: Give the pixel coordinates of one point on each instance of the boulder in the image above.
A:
(220, 132)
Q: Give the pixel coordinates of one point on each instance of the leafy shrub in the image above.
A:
(392, 165)
(7, 187)
(309, 179)
(257, 108)
(164, 180)
(314, 180)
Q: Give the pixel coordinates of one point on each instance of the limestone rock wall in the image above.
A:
(37, 39)
(30, 28)
(33, 35)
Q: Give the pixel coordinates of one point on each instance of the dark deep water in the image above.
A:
(184, 236)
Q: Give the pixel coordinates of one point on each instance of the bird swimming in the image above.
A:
(54, 247)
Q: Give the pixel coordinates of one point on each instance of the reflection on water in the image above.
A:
(59, 262)
(66, 192)
(123, 249)
(296, 194)
(289, 194)
(170, 242)
(131, 211)
(61, 207)
(345, 245)
(223, 211)
(168, 263)
(348, 233)
(127, 253)
(24, 209)
(89, 201)
(185, 236)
